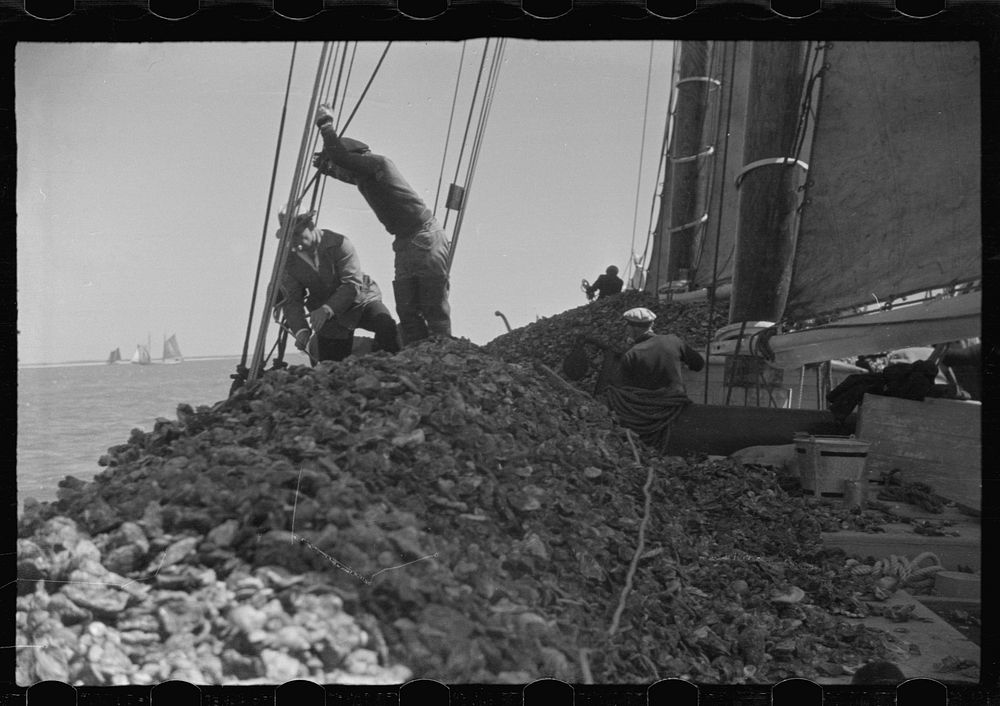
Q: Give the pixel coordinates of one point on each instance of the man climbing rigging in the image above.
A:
(323, 275)
(421, 261)
(605, 285)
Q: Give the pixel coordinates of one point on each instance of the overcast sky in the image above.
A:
(144, 170)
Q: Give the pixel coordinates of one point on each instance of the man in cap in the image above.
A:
(605, 285)
(421, 262)
(323, 276)
(654, 360)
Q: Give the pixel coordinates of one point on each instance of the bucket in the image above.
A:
(827, 462)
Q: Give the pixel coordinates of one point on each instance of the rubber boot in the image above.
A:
(334, 348)
(412, 327)
(386, 334)
(434, 304)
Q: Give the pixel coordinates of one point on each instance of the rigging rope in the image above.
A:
(468, 123)
(343, 129)
(241, 369)
(302, 162)
(367, 86)
(350, 68)
(447, 136)
(665, 161)
(486, 108)
(642, 150)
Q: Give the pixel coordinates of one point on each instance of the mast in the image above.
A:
(769, 183)
(689, 160)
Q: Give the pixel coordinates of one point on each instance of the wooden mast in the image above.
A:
(769, 189)
(690, 159)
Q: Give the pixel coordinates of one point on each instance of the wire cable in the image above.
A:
(642, 150)
(367, 86)
(241, 368)
(666, 163)
(468, 123)
(486, 108)
(447, 136)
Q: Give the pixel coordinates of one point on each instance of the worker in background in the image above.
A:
(655, 359)
(323, 276)
(644, 387)
(607, 284)
(421, 261)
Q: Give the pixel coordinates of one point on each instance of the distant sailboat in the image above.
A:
(141, 355)
(115, 357)
(171, 351)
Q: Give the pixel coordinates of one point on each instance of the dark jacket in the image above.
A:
(655, 361)
(606, 284)
(339, 283)
(393, 201)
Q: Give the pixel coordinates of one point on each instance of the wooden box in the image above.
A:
(937, 442)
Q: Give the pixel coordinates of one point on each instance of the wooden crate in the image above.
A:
(936, 441)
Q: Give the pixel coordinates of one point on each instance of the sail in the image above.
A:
(171, 351)
(892, 205)
(115, 356)
(141, 355)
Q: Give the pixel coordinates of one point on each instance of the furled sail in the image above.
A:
(892, 205)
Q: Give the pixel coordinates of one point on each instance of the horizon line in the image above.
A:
(105, 362)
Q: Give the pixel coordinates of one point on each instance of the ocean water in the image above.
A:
(69, 415)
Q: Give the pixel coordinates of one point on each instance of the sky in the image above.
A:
(144, 171)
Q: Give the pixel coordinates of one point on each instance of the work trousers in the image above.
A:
(421, 285)
(375, 318)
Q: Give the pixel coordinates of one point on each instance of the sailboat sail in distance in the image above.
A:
(115, 356)
(141, 355)
(171, 351)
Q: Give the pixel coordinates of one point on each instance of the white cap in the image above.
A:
(639, 315)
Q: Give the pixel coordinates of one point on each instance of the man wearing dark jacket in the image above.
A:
(421, 262)
(654, 360)
(323, 276)
(607, 284)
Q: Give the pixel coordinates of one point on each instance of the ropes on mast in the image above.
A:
(241, 370)
(323, 82)
(302, 163)
(486, 106)
(665, 161)
(642, 149)
(468, 123)
(447, 136)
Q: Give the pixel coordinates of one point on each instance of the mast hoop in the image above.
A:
(707, 79)
(692, 224)
(780, 161)
(707, 152)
